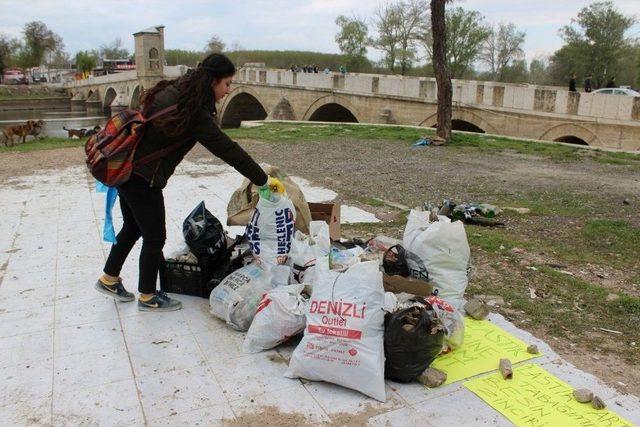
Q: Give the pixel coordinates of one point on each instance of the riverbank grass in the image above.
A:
(46, 143)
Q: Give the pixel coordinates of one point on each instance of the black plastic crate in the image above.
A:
(191, 279)
(199, 279)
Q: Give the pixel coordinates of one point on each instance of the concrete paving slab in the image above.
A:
(71, 356)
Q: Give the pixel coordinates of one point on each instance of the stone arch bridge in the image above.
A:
(535, 112)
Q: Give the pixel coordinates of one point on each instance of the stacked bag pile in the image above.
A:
(354, 333)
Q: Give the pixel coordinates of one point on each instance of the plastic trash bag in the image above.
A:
(452, 320)
(270, 230)
(236, 298)
(343, 339)
(204, 235)
(306, 249)
(443, 248)
(413, 337)
(279, 316)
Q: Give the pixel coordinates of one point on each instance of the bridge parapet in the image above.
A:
(478, 94)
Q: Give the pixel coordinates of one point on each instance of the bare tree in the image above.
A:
(443, 76)
(466, 35)
(412, 16)
(503, 46)
(214, 45)
(398, 26)
(386, 21)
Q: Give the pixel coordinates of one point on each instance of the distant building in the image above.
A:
(111, 66)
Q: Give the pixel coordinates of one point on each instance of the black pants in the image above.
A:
(144, 216)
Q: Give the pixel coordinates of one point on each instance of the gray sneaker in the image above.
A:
(116, 291)
(159, 302)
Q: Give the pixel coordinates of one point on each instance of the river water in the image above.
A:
(55, 119)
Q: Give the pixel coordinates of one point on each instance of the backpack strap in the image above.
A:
(166, 150)
(157, 154)
(164, 111)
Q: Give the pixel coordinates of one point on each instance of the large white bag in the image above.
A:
(343, 340)
(306, 249)
(279, 316)
(444, 250)
(270, 230)
(235, 299)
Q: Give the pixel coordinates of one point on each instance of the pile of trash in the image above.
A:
(470, 213)
(367, 310)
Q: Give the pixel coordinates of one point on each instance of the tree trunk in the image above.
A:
(443, 77)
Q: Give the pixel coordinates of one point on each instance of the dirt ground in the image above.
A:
(360, 171)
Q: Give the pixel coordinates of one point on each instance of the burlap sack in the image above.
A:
(244, 200)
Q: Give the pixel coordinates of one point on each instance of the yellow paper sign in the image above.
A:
(535, 398)
(484, 345)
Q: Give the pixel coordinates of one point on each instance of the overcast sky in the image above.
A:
(264, 24)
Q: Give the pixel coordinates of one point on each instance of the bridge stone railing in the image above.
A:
(478, 94)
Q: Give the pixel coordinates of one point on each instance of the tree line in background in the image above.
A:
(41, 46)
(595, 42)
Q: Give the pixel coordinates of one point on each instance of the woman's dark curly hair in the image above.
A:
(194, 92)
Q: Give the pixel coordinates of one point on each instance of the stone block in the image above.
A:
(498, 96)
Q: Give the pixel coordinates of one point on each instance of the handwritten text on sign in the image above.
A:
(484, 345)
(535, 398)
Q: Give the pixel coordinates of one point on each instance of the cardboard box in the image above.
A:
(330, 213)
(397, 284)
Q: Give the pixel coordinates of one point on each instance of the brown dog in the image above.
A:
(37, 129)
(21, 131)
(75, 132)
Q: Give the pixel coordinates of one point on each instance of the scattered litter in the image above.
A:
(611, 331)
(161, 342)
(532, 268)
(583, 395)
(422, 142)
(505, 369)
(532, 293)
(521, 211)
(626, 202)
(568, 273)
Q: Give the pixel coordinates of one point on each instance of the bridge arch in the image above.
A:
(109, 95)
(464, 120)
(570, 133)
(283, 111)
(332, 108)
(135, 98)
(242, 103)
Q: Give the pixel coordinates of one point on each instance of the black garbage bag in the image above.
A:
(399, 261)
(204, 235)
(413, 337)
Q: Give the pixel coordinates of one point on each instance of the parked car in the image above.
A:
(617, 91)
(14, 76)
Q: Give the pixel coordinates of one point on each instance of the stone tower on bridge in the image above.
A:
(149, 50)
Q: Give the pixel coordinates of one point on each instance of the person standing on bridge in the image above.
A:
(141, 198)
(572, 83)
(588, 85)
